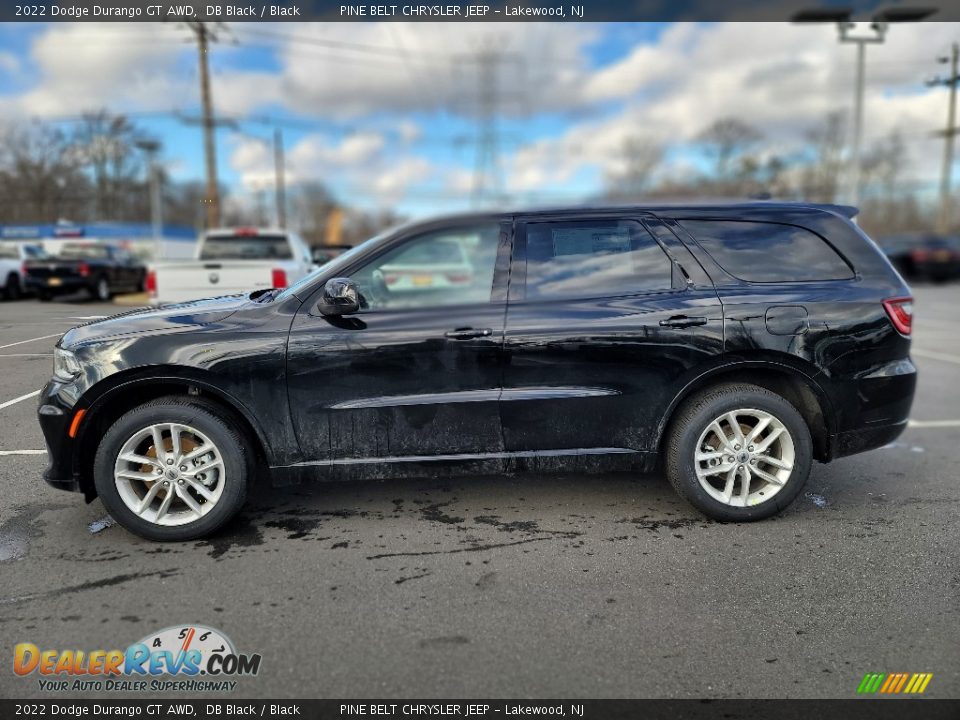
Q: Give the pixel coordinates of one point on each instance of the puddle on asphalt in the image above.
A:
(101, 524)
(13, 545)
(818, 500)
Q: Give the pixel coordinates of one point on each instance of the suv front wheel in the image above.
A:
(738, 452)
(172, 469)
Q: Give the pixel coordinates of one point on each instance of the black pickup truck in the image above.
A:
(102, 270)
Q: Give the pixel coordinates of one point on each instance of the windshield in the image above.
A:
(34, 252)
(84, 252)
(246, 247)
(333, 267)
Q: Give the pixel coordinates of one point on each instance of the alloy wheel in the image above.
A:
(744, 457)
(169, 474)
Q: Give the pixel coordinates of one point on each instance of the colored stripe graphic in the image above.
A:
(894, 683)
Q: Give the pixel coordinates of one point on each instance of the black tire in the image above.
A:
(208, 419)
(693, 417)
(100, 291)
(12, 289)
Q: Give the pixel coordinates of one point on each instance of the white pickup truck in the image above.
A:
(229, 261)
(13, 257)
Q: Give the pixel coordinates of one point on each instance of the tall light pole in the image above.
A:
(850, 33)
(152, 148)
(944, 216)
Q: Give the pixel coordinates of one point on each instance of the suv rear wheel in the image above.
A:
(101, 291)
(738, 452)
(172, 469)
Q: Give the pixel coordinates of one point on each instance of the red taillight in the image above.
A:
(900, 311)
(391, 279)
(458, 277)
(151, 283)
(279, 278)
(23, 268)
(920, 255)
(83, 269)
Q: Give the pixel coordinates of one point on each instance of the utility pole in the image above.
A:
(280, 183)
(212, 199)
(944, 217)
(849, 33)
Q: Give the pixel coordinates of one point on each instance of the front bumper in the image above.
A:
(55, 417)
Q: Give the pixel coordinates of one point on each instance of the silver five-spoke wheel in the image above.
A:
(169, 474)
(744, 457)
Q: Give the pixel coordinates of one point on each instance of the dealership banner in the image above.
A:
(204, 708)
(432, 11)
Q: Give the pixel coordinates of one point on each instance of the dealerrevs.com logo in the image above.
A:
(197, 657)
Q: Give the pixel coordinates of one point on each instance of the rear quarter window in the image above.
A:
(768, 252)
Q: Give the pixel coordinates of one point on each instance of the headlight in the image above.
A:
(65, 365)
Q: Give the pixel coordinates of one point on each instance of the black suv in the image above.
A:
(733, 343)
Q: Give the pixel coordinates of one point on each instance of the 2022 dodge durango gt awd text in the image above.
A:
(735, 343)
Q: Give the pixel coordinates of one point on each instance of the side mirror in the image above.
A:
(340, 297)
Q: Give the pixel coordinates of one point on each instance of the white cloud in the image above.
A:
(87, 66)
(358, 163)
(781, 78)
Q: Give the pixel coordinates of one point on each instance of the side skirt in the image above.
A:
(583, 460)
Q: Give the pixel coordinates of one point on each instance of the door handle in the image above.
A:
(468, 333)
(683, 321)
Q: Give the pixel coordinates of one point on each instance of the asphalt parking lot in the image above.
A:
(543, 586)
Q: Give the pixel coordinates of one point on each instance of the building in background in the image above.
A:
(175, 241)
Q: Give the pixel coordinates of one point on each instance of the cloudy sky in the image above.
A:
(387, 113)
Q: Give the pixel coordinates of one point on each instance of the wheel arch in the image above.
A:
(132, 388)
(798, 387)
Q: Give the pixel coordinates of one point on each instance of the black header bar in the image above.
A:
(443, 10)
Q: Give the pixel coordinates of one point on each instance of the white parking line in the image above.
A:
(933, 423)
(930, 354)
(8, 403)
(26, 354)
(24, 342)
(22, 452)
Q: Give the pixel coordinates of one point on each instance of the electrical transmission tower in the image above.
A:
(487, 175)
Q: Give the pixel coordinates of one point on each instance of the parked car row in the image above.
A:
(924, 256)
(227, 261)
(98, 269)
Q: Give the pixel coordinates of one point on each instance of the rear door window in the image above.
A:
(768, 252)
(600, 258)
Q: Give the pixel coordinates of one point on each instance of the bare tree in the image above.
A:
(637, 160)
(821, 175)
(107, 144)
(727, 140)
(40, 177)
